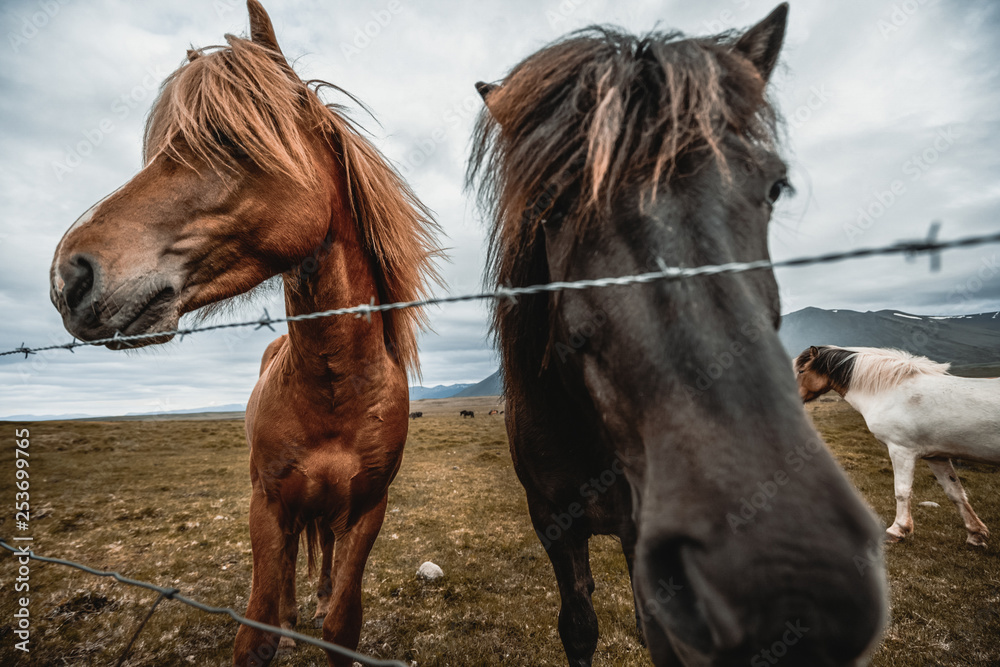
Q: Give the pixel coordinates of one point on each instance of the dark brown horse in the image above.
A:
(666, 414)
(249, 175)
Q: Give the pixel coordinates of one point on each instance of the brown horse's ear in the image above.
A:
(761, 44)
(261, 30)
(813, 352)
(192, 54)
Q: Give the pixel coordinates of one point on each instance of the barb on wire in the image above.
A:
(173, 594)
(138, 630)
(907, 248)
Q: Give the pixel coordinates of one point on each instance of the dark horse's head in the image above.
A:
(606, 154)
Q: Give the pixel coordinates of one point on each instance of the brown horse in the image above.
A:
(666, 414)
(249, 175)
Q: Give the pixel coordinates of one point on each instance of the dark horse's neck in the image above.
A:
(344, 353)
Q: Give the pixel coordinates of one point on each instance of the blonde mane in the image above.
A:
(244, 97)
(876, 370)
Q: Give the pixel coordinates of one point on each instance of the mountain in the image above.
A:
(491, 386)
(961, 340)
(440, 391)
(43, 418)
(234, 407)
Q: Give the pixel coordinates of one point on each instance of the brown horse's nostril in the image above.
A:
(78, 273)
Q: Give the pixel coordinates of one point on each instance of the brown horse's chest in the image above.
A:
(315, 461)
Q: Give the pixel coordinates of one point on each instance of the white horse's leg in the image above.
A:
(903, 463)
(948, 479)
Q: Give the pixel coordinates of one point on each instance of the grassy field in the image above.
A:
(166, 502)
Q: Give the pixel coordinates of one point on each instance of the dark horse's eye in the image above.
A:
(778, 189)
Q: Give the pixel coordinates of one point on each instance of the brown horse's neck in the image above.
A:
(344, 354)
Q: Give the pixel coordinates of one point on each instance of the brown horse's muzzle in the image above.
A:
(92, 307)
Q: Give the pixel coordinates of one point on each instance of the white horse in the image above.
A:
(918, 411)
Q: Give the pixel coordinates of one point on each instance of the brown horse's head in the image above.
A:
(219, 205)
(247, 174)
(822, 369)
(606, 154)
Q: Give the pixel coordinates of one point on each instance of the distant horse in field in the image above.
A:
(416, 415)
(467, 413)
(493, 412)
(606, 154)
(249, 175)
(916, 409)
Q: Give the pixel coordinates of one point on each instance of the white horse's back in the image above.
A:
(938, 415)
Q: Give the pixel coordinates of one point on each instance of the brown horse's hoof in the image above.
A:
(890, 538)
(285, 647)
(976, 540)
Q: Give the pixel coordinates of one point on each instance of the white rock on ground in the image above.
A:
(428, 571)
(928, 503)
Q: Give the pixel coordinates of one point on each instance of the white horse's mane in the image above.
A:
(879, 369)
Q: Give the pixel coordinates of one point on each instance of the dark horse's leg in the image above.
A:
(255, 648)
(570, 556)
(343, 624)
(628, 539)
(325, 587)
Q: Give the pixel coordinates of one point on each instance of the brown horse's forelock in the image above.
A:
(578, 121)
(245, 97)
(835, 363)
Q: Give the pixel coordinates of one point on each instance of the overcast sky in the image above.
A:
(879, 96)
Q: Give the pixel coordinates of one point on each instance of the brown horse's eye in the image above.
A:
(229, 146)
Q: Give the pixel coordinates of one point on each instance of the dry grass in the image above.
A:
(167, 502)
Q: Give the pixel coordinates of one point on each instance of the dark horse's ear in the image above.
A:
(261, 30)
(485, 88)
(813, 352)
(761, 44)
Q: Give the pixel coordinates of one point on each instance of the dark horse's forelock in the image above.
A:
(596, 111)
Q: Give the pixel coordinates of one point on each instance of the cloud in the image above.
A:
(861, 99)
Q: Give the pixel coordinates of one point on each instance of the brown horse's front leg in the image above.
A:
(325, 587)
(255, 648)
(289, 608)
(343, 624)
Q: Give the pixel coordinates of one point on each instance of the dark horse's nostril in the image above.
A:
(79, 276)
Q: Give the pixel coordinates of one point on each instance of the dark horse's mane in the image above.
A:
(579, 121)
(245, 96)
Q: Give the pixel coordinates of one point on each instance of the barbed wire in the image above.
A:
(174, 594)
(909, 248)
